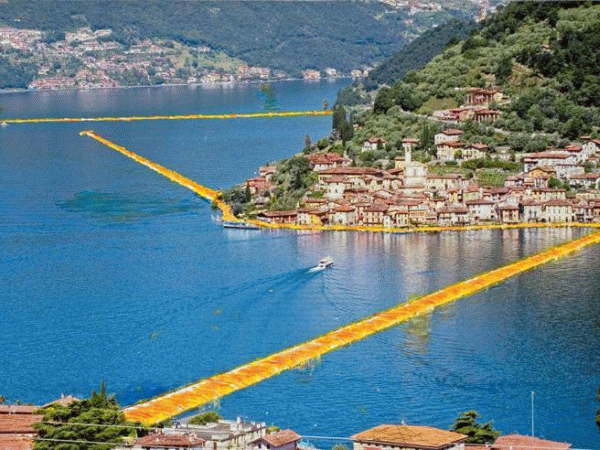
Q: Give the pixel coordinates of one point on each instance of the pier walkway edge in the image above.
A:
(205, 391)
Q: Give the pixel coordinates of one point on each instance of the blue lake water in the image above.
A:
(109, 271)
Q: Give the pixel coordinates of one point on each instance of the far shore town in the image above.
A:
(90, 59)
(409, 194)
(17, 432)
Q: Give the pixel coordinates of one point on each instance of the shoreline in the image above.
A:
(193, 85)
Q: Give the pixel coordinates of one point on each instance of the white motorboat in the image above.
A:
(325, 263)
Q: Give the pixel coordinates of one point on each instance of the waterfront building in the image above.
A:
(408, 437)
(281, 440)
(169, 441)
(223, 434)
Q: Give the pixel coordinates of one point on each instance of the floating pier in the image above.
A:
(203, 191)
(267, 115)
(206, 391)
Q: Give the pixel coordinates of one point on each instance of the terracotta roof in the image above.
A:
(18, 409)
(280, 438)
(557, 202)
(15, 443)
(170, 441)
(278, 213)
(410, 141)
(376, 207)
(350, 171)
(452, 132)
(18, 423)
(451, 144)
(479, 202)
(547, 155)
(517, 441)
(410, 436)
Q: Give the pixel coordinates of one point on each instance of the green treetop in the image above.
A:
(477, 433)
(97, 420)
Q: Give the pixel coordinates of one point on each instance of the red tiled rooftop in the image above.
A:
(518, 442)
(280, 438)
(452, 132)
(170, 441)
(15, 443)
(409, 436)
(18, 423)
(18, 409)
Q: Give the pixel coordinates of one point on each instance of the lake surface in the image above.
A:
(109, 271)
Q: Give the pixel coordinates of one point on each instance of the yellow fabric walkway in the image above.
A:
(172, 117)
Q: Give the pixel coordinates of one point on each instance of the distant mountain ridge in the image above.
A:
(284, 35)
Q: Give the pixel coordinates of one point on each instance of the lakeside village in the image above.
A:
(553, 186)
(87, 59)
(25, 427)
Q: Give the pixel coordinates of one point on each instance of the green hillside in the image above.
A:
(411, 57)
(289, 36)
(545, 57)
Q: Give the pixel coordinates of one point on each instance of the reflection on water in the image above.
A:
(121, 207)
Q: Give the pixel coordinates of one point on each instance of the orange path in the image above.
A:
(172, 117)
(211, 389)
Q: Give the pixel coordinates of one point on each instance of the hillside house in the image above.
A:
(479, 96)
(373, 144)
(449, 135)
(550, 159)
(585, 180)
(447, 151)
(323, 161)
(485, 115)
(475, 151)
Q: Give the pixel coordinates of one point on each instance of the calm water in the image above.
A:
(108, 271)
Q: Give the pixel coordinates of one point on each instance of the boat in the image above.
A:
(325, 263)
(239, 225)
(4, 124)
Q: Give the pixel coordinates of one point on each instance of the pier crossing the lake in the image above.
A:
(211, 389)
(255, 115)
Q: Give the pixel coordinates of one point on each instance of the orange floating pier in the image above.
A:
(172, 117)
(204, 192)
(205, 391)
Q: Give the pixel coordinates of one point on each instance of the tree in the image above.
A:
(204, 418)
(2, 399)
(466, 423)
(96, 419)
(307, 143)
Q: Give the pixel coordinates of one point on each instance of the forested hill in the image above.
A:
(543, 56)
(413, 56)
(418, 52)
(289, 36)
